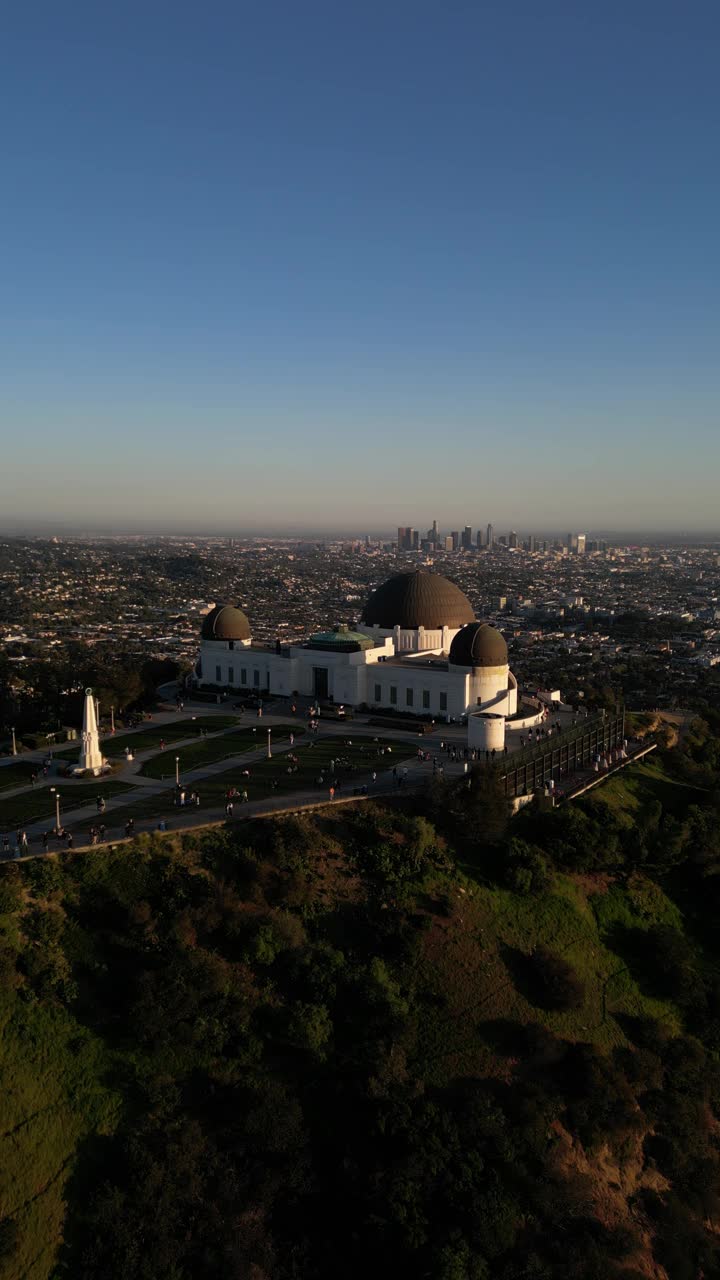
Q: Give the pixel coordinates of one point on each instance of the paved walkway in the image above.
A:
(418, 776)
(194, 817)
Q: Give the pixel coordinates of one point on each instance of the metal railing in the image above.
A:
(565, 749)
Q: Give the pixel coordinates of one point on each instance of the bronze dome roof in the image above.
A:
(418, 599)
(478, 645)
(224, 622)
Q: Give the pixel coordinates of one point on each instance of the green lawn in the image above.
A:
(211, 749)
(17, 775)
(313, 763)
(35, 805)
(151, 736)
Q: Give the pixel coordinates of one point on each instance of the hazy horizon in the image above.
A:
(385, 533)
(328, 266)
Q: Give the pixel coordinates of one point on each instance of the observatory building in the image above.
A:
(417, 648)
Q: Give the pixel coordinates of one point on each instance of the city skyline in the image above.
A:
(305, 265)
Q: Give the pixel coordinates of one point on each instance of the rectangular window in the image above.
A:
(256, 678)
(393, 695)
(426, 699)
(443, 702)
(243, 675)
(218, 675)
(408, 697)
(231, 675)
(378, 693)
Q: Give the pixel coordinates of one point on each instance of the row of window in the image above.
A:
(231, 676)
(410, 697)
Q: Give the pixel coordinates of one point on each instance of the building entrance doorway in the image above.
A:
(320, 682)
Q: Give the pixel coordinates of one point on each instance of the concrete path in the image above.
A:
(193, 817)
(418, 776)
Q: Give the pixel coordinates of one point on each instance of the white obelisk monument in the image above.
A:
(90, 756)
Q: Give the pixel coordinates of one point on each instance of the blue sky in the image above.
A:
(321, 264)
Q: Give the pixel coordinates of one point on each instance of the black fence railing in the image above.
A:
(563, 753)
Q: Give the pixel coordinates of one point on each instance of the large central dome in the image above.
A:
(419, 599)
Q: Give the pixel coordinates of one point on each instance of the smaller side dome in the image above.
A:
(225, 622)
(478, 645)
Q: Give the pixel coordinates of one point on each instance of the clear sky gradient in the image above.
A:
(358, 263)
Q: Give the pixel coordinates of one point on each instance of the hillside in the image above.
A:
(400, 1038)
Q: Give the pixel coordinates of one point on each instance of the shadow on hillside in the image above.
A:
(95, 1159)
(520, 967)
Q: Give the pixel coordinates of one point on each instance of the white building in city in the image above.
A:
(417, 648)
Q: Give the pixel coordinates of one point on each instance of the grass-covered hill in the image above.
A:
(400, 1039)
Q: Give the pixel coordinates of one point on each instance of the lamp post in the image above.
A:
(14, 746)
(269, 746)
(57, 809)
(177, 771)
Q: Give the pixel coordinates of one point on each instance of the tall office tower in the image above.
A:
(602, 545)
(532, 543)
(512, 539)
(448, 544)
(414, 540)
(479, 539)
(490, 536)
(455, 535)
(435, 534)
(581, 544)
(502, 540)
(467, 538)
(403, 535)
(572, 542)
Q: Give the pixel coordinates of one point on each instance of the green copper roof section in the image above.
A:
(340, 638)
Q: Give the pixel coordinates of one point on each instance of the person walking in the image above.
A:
(45, 839)
(23, 840)
(69, 840)
(101, 832)
(332, 793)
